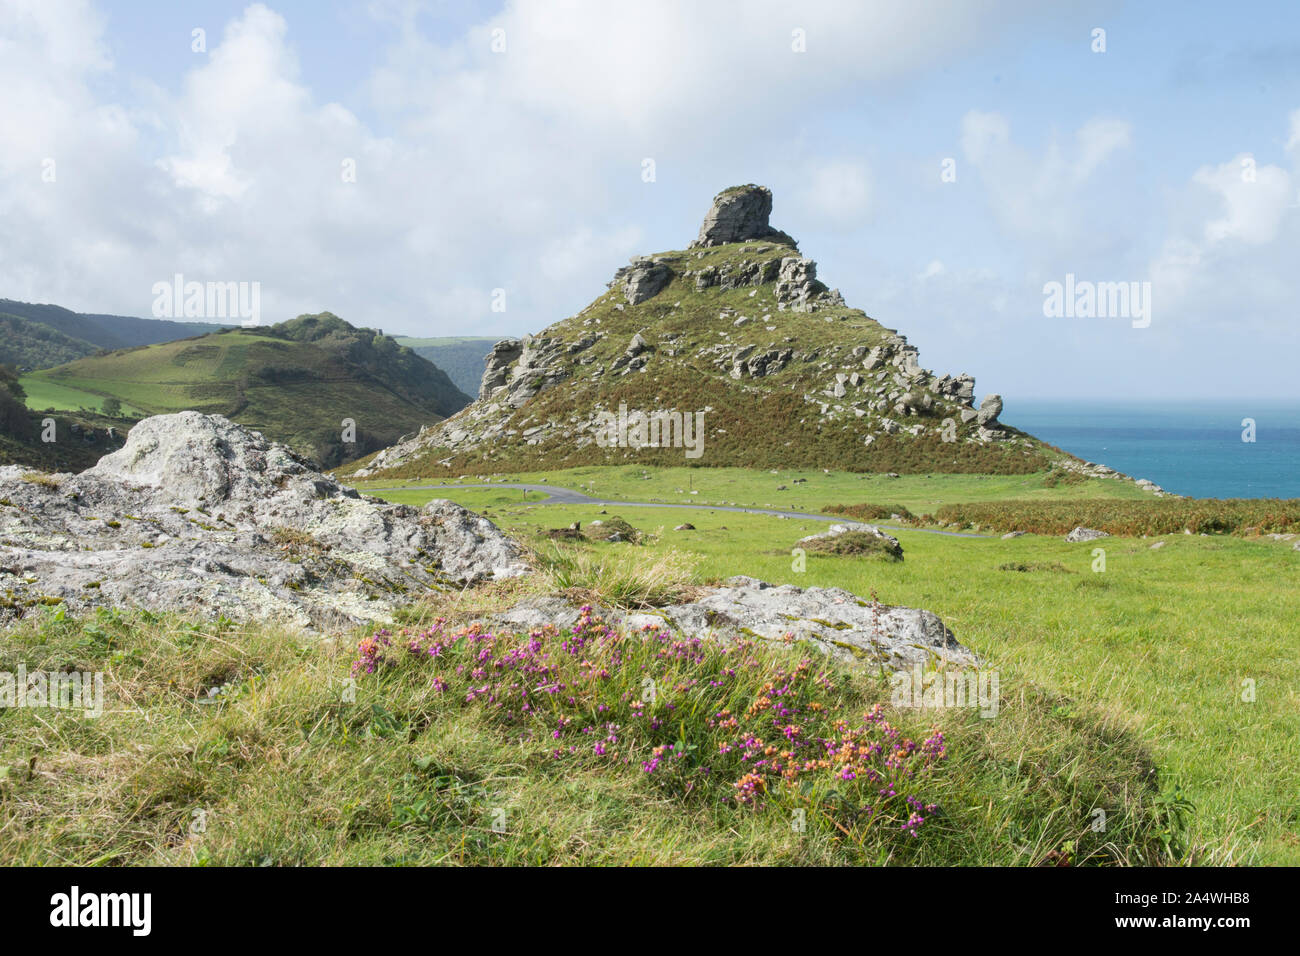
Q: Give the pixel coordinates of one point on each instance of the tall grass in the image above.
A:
(257, 746)
(623, 578)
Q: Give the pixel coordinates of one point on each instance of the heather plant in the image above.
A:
(702, 720)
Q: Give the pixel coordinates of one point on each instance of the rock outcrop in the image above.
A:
(990, 409)
(834, 620)
(643, 279)
(1085, 534)
(200, 515)
(503, 355)
(739, 214)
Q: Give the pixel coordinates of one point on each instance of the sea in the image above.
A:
(1220, 449)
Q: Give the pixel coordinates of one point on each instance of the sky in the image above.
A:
(484, 168)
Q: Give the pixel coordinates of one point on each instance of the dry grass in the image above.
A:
(41, 480)
(622, 577)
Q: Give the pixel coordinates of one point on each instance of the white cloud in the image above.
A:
(1254, 199)
(495, 170)
(836, 193)
(1229, 263)
(1041, 195)
(1095, 142)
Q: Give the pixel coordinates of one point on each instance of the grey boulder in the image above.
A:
(200, 515)
(833, 620)
(990, 409)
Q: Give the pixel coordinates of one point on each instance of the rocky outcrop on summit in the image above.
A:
(836, 621)
(197, 514)
(739, 214)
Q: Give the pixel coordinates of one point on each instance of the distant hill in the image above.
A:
(99, 331)
(296, 382)
(26, 344)
(462, 357)
(729, 352)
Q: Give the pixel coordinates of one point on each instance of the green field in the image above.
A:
(760, 489)
(44, 393)
(1160, 686)
(1161, 641)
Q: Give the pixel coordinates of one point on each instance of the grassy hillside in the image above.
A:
(1121, 691)
(795, 489)
(461, 357)
(296, 382)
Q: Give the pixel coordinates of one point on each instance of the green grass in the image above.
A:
(44, 393)
(749, 488)
(1161, 641)
(229, 747)
(1121, 691)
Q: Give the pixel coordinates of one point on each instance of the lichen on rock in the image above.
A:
(198, 514)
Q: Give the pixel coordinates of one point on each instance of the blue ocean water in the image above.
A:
(1192, 448)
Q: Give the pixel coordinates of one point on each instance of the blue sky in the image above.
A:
(522, 169)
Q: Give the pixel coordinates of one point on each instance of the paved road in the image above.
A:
(568, 496)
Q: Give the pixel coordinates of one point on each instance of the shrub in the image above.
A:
(858, 543)
(869, 512)
(1131, 518)
(702, 720)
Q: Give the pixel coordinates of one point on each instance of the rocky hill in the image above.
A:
(736, 335)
